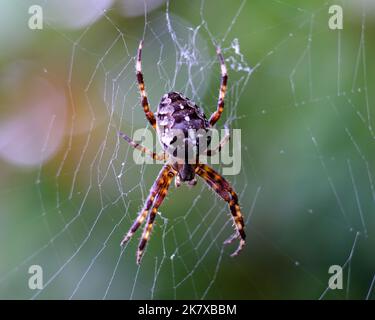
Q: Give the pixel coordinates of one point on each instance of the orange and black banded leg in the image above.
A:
(222, 143)
(141, 85)
(226, 192)
(135, 145)
(158, 185)
(223, 89)
(151, 217)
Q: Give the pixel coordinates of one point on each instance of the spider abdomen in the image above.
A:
(175, 111)
(181, 126)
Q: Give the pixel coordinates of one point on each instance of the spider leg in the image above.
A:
(223, 89)
(155, 189)
(135, 145)
(141, 85)
(222, 143)
(226, 192)
(150, 220)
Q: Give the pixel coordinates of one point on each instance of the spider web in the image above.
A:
(307, 178)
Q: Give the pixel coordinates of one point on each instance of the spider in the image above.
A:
(175, 111)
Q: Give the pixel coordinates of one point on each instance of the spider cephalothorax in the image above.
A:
(184, 133)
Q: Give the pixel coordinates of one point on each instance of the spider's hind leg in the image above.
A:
(151, 217)
(226, 192)
(155, 189)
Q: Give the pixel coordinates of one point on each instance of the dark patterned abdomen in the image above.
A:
(184, 132)
(181, 124)
(178, 112)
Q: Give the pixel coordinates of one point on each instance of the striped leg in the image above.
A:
(223, 89)
(157, 186)
(135, 145)
(141, 85)
(225, 191)
(150, 220)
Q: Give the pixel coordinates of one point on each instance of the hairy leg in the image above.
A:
(141, 86)
(151, 218)
(226, 192)
(156, 187)
(223, 89)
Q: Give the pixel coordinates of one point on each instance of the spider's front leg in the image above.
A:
(223, 89)
(226, 192)
(141, 86)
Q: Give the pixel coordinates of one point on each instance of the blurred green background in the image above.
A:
(302, 95)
